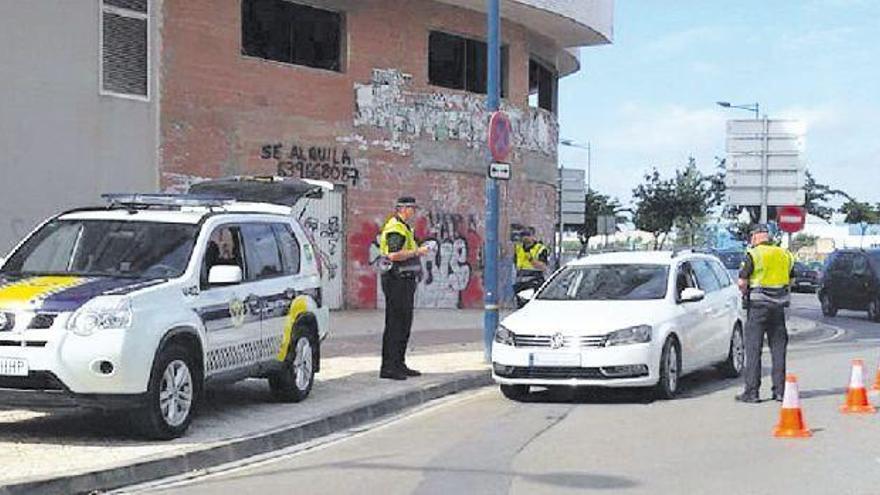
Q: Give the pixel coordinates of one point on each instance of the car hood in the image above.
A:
(541, 317)
(58, 294)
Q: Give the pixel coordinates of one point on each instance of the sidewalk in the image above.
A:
(79, 451)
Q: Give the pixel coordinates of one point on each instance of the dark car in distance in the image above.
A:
(851, 280)
(804, 278)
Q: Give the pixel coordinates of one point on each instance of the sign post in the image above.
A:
(493, 102)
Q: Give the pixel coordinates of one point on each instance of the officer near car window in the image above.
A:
(764, 279)
(530, 258)
(397, 245)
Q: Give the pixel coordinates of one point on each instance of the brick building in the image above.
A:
(380, 97)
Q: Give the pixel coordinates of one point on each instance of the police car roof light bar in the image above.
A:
(166, 200)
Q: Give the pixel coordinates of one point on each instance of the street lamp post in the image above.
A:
(754, 107)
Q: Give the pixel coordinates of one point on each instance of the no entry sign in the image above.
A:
(791, 219)
(499, 136)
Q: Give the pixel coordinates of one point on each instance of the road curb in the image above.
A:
(241, 448)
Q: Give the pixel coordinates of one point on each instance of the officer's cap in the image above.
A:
(404, 201)
(760, 228)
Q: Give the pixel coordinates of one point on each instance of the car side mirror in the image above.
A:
(692, 294)
(225, 275)
(526, 294)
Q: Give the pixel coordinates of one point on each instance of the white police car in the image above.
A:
(143, 303)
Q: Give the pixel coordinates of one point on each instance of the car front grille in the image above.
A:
(544, 341)
(539, 372)
(42, 321)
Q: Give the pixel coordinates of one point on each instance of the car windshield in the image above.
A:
(732, 260)
(607, 282)
(105, 248)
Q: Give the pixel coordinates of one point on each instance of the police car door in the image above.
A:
(691, 323)
(230, 315)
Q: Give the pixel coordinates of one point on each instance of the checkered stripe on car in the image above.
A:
(243, 354)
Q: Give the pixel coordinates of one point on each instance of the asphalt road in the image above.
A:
(607, 441)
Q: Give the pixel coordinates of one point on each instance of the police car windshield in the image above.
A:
(607, 282)
(105, 248)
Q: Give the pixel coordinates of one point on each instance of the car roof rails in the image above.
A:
(285, 191)
(164, 200)
(693, 249)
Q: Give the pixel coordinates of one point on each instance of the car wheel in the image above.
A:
(828, 307)
(670, 370)
(515, 392)
(293, 382)
(172, 395)
(874, 309)
(736, 355)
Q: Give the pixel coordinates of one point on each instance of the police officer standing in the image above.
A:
(397, 244)
(764, 280)
(530, 257)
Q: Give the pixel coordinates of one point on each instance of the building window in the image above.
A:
(124, 47)
(291, 33)
(543, 84)
(461, 63)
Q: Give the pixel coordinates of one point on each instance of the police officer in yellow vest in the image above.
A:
(530, 257)
(764, 279)
(397, 244)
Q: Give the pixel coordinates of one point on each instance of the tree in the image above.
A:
(817, 197)
(858, 212)
(655, 206)
(693, 198)
(597, 204)
(802, 240)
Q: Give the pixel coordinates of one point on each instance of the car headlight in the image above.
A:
(101, 313)
(639, 334)
(503, 335)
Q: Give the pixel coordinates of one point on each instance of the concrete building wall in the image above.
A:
(62, 144)
(378, 129)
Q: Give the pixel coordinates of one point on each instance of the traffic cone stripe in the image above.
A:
(856, 395)
(791, 419)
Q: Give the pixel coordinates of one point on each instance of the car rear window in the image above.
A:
(607, 282)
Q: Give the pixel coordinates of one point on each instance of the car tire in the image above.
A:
(736, 354)
(670, 370)
(172, 395)
(515, 392)
(294, 380)
(874, 309)
(828, 306)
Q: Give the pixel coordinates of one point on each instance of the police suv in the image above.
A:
(141, 304)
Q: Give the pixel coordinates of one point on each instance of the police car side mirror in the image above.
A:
(692, 294)
(225, 275)
(526, 294)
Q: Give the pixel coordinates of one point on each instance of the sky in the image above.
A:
(649, 98)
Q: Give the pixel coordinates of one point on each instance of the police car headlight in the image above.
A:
(101, 313)
(503, 335)
(639, 334)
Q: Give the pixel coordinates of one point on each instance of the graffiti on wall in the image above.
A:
(451, 275)
(330, 232)
(313, 162)
(388, 103)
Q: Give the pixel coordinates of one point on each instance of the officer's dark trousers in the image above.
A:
(399, 293)
(764, 319)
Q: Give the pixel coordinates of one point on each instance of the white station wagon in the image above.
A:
(629, 319)
(143, 303)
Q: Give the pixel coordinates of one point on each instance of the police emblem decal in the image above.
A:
(237, 312)
(557, 341)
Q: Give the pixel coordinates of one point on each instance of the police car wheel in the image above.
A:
(515, 392)
(172, 395)
(874, 309)
(736, 355)
(670, 370)
(293, 382)
(828, 306)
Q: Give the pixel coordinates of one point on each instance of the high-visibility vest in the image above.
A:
(771, 267)
(525, 257)
(395, 225)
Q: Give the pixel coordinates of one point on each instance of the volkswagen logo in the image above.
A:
(7, 321)
(557, 341)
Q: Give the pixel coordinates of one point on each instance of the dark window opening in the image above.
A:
(291, 33)
(125, 47)
(543, 85)
(461, 63)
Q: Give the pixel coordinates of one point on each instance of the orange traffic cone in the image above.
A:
(856, 395)
(877, 379)
(791, 421)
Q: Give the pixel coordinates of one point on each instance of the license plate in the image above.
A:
(13, 367)
(555, 359)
